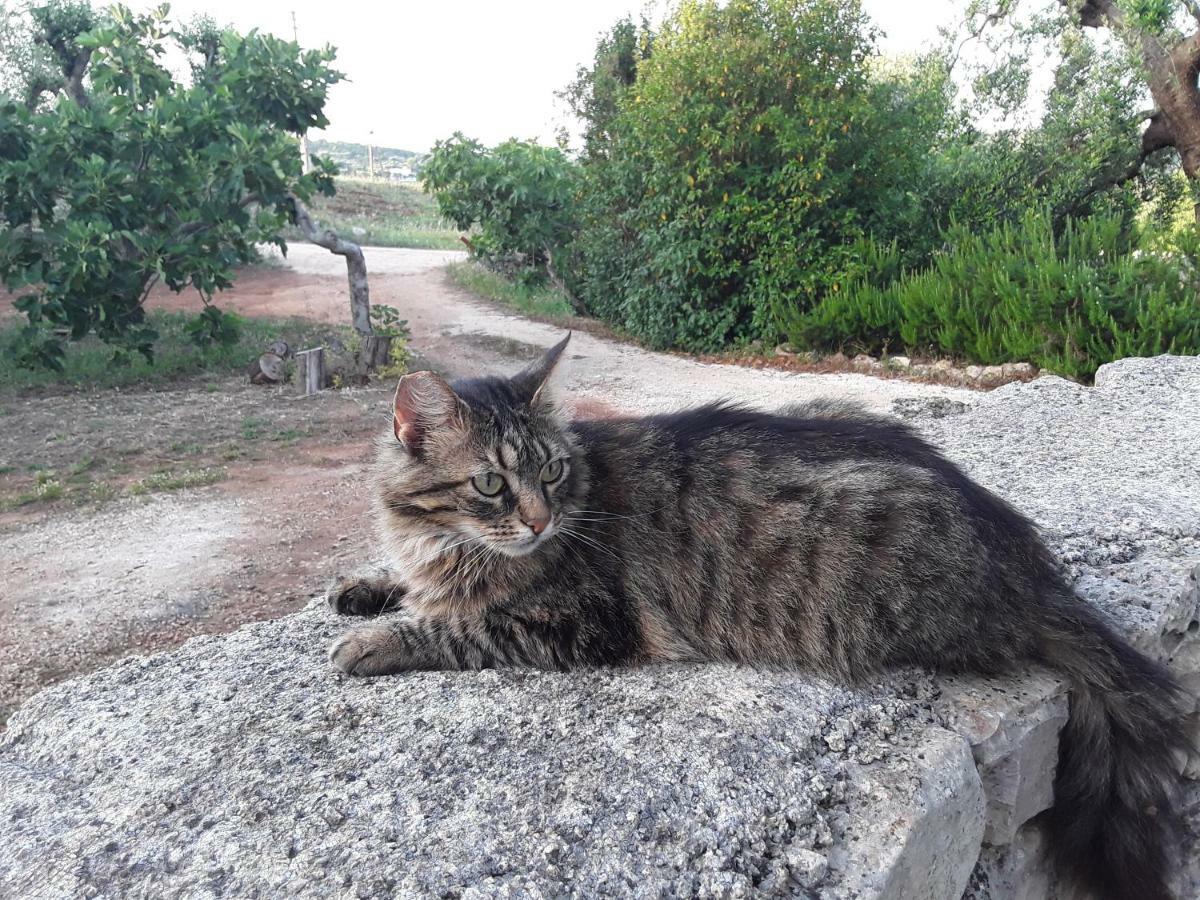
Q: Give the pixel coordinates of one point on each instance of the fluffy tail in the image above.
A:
(1113, 827)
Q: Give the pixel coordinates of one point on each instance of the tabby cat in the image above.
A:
(820, 538)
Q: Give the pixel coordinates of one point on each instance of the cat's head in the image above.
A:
(481, 459)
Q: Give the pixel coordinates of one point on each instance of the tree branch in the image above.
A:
(74, 75)
(356, 264)
(975, 33)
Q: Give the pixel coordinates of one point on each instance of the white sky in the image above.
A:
(419, 71)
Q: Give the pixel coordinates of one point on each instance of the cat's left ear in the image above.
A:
(539, 381)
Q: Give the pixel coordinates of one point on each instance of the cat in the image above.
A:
(820, 538)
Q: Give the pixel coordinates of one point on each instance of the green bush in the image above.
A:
(520, 197)
(1068, 303)
(751, 145)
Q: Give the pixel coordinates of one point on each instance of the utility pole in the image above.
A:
(305, 160)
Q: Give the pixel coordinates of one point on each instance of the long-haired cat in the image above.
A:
(821, 538)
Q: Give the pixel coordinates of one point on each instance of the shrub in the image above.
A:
(1068, 303)
(751, 149)
(519, 195)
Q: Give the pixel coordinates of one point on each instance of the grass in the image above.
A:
(176, 480)
(77, 486)
(544, 302)
(89, 362)
(385, 214)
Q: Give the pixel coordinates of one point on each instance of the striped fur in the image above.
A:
(823, 539)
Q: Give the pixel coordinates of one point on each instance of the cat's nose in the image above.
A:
(537, 524)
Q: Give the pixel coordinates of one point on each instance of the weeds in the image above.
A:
(177, 480)
(545, 302)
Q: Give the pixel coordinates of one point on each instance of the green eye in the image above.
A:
(552, 471)
(489, 484)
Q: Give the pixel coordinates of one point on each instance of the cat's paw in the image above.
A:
(370, 650)
(357, 595)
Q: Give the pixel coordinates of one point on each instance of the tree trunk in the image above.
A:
(356, 266)
(1171, 74)
(376, 350)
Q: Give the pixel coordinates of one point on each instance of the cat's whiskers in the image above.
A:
(566, 530)
(610, 515)
(473, 563)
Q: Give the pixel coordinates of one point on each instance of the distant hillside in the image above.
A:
(352, 159)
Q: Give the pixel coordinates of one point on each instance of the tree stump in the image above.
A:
(376, 352)
(310, 370)
(267, 369)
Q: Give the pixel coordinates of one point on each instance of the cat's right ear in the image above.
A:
(423, 402)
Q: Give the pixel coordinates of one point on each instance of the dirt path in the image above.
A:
(462, 335)
(82, 585)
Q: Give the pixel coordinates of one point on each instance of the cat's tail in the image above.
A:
(1113, 826)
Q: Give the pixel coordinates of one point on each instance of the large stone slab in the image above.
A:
(242, 765)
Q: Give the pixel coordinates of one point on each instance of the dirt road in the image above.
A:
(462, 336)
(82, 585)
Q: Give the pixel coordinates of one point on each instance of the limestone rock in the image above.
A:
(242, 765)
(1012, 726)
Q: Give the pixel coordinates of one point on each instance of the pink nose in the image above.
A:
(537, 524)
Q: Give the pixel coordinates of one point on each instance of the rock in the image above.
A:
(865, 361)
(1016, 871)
(933, 407)
(1012, 727)
(974, 373)
(807, 867)
(1018, 370)
(929, 851)
(242, 765)
(992, 373)
(785, 350)
(289, 779)
(837, 359)
(943, 365)
(898, 362)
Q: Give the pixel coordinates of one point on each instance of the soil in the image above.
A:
(88, 578)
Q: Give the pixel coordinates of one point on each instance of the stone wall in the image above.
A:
(242, 765)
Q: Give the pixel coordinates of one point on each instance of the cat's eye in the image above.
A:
(489, 484)
(552, 471)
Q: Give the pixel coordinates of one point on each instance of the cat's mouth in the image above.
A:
(525, 546)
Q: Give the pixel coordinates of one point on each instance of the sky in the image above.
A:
(419, 71)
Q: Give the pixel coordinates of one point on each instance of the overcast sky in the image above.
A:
(419, 71)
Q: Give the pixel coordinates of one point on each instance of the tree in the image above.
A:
(1157, 53)
(116, 176)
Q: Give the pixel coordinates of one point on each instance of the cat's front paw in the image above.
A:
(371, 650)
(358, 595)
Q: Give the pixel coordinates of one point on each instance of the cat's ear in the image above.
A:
(536, 383)
(423, 403)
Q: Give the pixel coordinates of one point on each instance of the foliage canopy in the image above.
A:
(115, 175)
